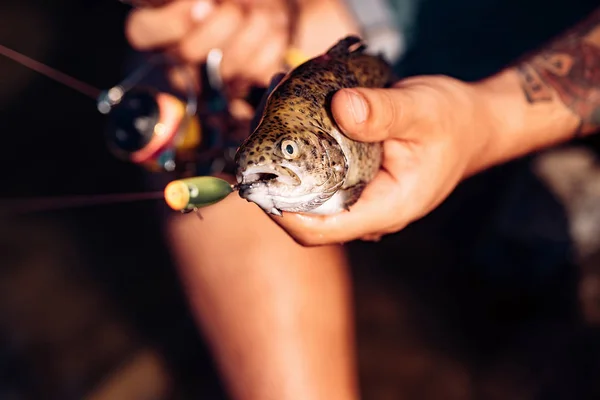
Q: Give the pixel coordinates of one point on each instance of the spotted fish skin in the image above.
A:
(296, 159)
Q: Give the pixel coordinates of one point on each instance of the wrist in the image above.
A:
(517, 127)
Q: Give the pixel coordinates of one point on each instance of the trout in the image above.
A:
(297, 159)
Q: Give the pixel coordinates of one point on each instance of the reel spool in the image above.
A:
(156, 130)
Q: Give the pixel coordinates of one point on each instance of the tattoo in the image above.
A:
(568, 68)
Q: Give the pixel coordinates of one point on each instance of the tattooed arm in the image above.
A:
(568, 69)
(438, 130)
(549, 96)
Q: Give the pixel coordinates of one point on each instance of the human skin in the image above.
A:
(252, 34)
(429, 160)
(276, 315)
(438, 131)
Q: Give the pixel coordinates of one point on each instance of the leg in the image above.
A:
(276, 315)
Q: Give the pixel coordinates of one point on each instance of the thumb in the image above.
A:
(372, 115)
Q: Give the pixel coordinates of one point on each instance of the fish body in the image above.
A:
(297, 160)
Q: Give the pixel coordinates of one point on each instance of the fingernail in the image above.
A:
(201, 10)
(357, 106)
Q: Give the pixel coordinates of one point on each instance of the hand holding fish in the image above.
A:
(433, 129)
(437, 131)
(387, 153)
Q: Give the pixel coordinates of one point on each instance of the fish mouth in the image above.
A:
(265, 174)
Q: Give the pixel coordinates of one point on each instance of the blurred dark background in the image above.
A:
(480, 300)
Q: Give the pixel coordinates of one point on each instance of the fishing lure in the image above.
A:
(189, 194)
(148, 127)
(163, 131)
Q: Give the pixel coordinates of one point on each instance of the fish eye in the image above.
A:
(289, 149)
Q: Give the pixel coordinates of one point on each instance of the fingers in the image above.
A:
(246, 41)
(267, 61)
(150, 28)
(373, 115)
(260, 27)
(194, 27)
(252, 39)
(214, 32)
(365, 218)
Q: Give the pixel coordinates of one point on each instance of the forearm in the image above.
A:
(548, 97)
(276, 315)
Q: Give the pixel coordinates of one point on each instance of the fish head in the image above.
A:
(289, 168)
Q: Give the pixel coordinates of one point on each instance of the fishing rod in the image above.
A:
(159, 131)
(150, 128)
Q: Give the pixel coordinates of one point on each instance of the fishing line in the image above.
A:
(39, 204)
(51, 73)
(105, 101)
